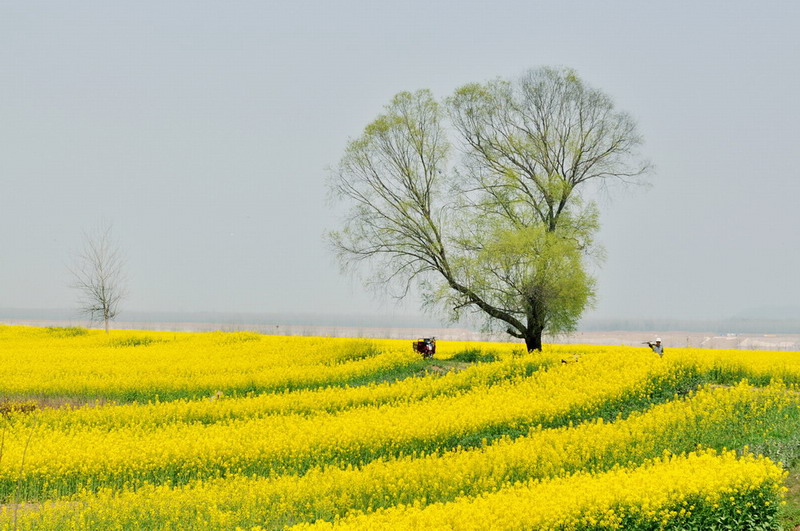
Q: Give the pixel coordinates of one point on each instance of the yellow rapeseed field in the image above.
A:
(162, 430)
(669, 493)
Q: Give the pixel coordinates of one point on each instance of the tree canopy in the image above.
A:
(481, 199)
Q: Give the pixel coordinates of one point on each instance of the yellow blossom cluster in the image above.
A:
(667, 491)
(126, 366)
(712, 415)
(732, 365)
(79, 456)
(220, 407)
(162, 430)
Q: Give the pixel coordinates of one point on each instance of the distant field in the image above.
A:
(745, 341)
(226, 430)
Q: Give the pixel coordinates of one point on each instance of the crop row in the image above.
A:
(220, 407)
(703, 490)
(58, 462)
(713, 417)
(155, 366)
(78, 366)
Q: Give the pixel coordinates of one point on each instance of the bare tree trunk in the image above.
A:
(533, 340)
(99, 276)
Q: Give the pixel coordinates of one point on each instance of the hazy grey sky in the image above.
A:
(202, 130)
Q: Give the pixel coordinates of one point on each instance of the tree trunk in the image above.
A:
(106, 322)
(533, 340)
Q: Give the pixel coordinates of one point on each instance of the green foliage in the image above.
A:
(790, 513)
(133, 341)
(780, 446)
(747, 510)
(540, 272)
(66, 331)
(474, 355)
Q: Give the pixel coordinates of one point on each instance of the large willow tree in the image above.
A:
(481, 200)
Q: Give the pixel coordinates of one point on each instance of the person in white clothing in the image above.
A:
(656, 346)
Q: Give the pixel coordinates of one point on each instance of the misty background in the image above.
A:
(203, 130)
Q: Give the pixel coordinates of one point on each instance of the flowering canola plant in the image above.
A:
(220, 407)
(699, 489)
(128, 366)
(164, 430)
(718, 415)
(67, 460)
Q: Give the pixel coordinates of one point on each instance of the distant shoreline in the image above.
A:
(671, 339)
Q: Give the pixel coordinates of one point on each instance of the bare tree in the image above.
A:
(99, 276)
(507, 233)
